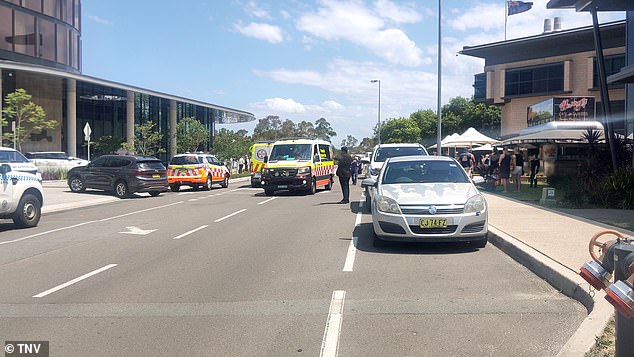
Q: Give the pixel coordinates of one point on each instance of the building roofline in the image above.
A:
(84, 78)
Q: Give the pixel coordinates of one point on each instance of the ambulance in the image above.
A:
(259, 151)
(196, 170)
(298, 165)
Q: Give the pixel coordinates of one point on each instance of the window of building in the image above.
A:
(480, 86)
(613, 65)
(74, 49)
(62, 44)
(46, 48)
(24, 33)
(51, 8)
(6, 28)
(35, 5)
(76, 14)
(534, 80)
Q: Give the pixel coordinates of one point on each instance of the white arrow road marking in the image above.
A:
(76, 280)
(330, 343)
(190, 232)
(138, 231)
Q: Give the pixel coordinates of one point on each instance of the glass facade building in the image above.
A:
(40, 51)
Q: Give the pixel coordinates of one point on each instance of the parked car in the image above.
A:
(383, 152)
(18, 162)
(197, 170)
(121, 174)
(54, 159)
(427, 199)
(21, 196)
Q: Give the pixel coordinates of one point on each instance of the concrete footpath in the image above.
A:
(552, 244)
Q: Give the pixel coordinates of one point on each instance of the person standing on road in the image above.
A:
(343, 172)
(504, 162)
(467, 160)
(354, 170)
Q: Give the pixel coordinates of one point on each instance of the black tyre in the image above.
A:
(269, 192)
(313, 186)
(155, 193)
(28, 212)
(208, 183)
(121, 189)
(481, 243)
(76, 184)
(328, 187)
(175, 188)
(225, 182)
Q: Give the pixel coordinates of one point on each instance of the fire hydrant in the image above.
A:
(616, 256)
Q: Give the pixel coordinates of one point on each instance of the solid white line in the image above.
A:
(140, 211)
(190, 232)
(192, 200)
(357, 221)
(352, 250)
(47, 232)
(330, 343)
(269, 200)
(71, 282)
(230, 215)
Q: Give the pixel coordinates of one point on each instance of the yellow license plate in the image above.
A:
(433, 223)
(156, 176)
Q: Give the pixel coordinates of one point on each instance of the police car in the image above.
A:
(18, 162)
(21, 196)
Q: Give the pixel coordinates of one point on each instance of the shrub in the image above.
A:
(54, 174)
(618, 189)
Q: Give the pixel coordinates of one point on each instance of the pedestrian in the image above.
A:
(504, 162)
(240, 164)
(343, 172)
(518, 171)
(467, 160)
(535, 164)
(354, 170)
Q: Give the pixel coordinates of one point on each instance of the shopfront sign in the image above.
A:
(561, 109)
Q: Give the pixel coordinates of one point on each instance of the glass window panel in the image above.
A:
(35, 5)
(62, 44)
(555, 85)
(77, 13)
(540, 86)
(24, 33)
(74, 50)
(51, 7)
(526, 75)
(6, 29)
(540, 73)
(68, 11)
(47, 39)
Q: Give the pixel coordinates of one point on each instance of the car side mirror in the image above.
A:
(477, 180)
(369, 182)
(4, 169)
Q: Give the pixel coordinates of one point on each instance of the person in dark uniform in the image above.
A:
(505, 168)
(534, 159)
(343, 172)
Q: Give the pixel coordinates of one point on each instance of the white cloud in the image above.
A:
(255, 10)
(352, 21)
(270, 33)
(99, 20)
(332, 105)
(285, 14)
(284, 105)
(403, 14)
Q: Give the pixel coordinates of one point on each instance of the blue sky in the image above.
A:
(302, 60)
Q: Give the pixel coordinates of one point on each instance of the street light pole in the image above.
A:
(438, 108)
(379, 113)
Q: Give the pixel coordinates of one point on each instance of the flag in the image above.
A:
(516, 7)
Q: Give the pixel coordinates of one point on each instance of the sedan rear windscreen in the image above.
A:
(424, 172)
(383, 154)
(185, 160)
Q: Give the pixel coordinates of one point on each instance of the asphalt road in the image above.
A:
(232, 272)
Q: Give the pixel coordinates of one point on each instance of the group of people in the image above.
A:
(504, 166)
(238, 165)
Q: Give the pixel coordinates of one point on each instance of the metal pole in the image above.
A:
(605, 97)
(624, 327)
(438, 113)
(379, 115)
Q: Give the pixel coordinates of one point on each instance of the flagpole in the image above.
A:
(506, 16)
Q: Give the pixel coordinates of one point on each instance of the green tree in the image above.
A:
(147, 140)
(323, 130)
(287, 130)
(428, 124)
(267, 128)
(350, 142)
(29, 117)
(106, 145)
(229, 144)
(367, 144)
(191, 135)
(306, 129)
(400, 130)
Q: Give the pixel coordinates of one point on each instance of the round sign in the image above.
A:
(260, 154)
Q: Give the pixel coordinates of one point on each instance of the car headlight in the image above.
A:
(387, 205)
(475, 204)
(303, 170)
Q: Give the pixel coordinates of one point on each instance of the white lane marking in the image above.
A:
(330, 343)
(246, 189)
(47, 232)
(192, 200)
(141, 211)
(230, 215)
(352, 251)
(357, 221)
(186, 193)
(269, 200)
(138, 231)
(190, 232)
(76, 280)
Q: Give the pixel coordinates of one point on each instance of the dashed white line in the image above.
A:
(190, 232)
(230, 215)
(352, 250)
(330, 343)
(269, 200)
(76, 280)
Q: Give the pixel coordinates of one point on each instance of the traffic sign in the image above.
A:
(87, 131)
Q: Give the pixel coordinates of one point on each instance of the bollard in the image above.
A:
(624, 325)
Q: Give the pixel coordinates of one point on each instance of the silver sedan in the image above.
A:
(427, 199)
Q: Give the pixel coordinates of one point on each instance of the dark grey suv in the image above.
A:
(121, 174)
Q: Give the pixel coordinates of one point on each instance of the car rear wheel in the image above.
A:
(28, 212)
(175, 188)
(121, 189)
(76, 184)
(155, 193)
(208, 183)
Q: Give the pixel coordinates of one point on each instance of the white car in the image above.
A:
(18, 162)
(383, 152)
(427, 199)
(55, 159)
(21, 196)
